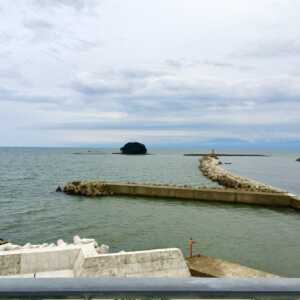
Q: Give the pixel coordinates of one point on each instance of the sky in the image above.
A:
(162, 72)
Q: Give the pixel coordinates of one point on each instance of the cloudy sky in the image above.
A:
(75, 72)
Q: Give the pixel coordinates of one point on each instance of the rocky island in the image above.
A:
(132, 148)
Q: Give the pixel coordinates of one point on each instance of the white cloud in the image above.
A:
(102, 71)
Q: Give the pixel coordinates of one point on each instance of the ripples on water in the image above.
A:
(30, 210)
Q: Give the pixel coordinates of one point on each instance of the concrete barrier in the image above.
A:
(32, 261)
(48, 260)
(150, 263)
(189, 193)
(84, 261)
(10, 264)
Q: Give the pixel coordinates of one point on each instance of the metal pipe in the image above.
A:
(147, 287)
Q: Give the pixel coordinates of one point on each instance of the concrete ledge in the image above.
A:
(84, 261)
(206, 266)
(149, 263)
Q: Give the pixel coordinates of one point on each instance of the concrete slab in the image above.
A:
(206, 266)
(148, 263)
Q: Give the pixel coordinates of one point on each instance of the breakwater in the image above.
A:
(83, 258)
(101, 188)
(227, 154)
(210, 166)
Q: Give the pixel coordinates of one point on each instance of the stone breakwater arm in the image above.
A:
(210, 167)
(89, 189)
(101, 188)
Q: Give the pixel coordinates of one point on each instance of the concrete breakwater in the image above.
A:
(83, 258)
(210, 167)
(101, 188)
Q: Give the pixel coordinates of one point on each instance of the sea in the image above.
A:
(260, 237)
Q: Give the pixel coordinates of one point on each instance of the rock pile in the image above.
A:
(210, 167)
(60, 243)
(100, 188)
(90, 189)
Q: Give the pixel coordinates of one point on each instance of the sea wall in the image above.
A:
(188, 193)
(74, 261)
(85, 259)
(32, 261)
(210, 166)
(39, 258)
(149, 263)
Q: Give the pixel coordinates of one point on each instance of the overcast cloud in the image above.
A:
(101, 72)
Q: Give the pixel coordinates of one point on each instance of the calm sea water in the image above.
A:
(31, 210)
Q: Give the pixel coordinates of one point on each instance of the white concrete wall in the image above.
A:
(10, 264)
(86, 251)
(27, 261)
(49, 260)
(151, 263)
(84, 261)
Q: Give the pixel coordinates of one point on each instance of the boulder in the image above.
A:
(2, 242)
(9, 246)
(61, 243)
(134, 148)
(58, 189)
(103, 249)
(298, 159)
(79, 241)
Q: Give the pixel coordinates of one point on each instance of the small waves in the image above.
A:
(28, 212)
(18, 178)
(4, 201)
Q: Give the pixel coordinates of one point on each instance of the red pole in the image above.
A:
(191, 242)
